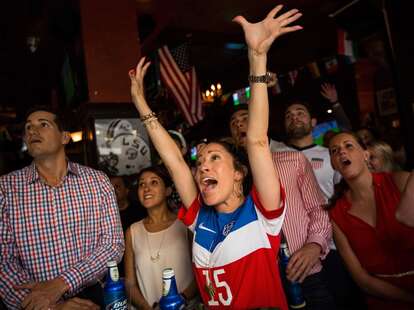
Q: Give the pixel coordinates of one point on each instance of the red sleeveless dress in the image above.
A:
(387, 248)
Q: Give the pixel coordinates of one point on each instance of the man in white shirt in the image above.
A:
(298, 125)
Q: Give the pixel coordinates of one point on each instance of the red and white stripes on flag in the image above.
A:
(181, 80)
(345, 45)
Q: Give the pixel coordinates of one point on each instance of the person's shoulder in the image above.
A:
(318, 148)
(180, 225)
(86, 171)
(289, 156)
(136, 226)
(339, 207)
(316, 151)
(16, 175)
(400, 178)
(277, 146)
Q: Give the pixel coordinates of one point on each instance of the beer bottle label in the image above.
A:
(166, 284)
(118, 305)
(113, 273)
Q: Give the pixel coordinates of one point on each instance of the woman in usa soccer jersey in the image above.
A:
(236, 236)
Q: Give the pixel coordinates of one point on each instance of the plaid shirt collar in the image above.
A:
(32, 175)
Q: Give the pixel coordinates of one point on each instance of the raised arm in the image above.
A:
(259, 37)
(164, 144)
(405, 210)
(329, 92)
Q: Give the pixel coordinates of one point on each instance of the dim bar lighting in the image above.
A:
(214, 92)
(76, 136)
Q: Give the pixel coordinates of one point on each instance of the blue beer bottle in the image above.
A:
(171, 299)
(294, 290)
(114, 291)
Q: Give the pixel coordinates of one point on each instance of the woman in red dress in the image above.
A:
(377, 249)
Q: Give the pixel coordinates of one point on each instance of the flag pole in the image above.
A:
(339, 11)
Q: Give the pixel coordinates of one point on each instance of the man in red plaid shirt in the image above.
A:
(59, 223)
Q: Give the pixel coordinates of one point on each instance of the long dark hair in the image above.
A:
(342, 187)
(160, 171)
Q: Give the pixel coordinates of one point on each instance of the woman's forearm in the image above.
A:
(383, 289)
(163, 143)
(259, 107)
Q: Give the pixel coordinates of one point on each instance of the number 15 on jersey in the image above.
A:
(224, 299)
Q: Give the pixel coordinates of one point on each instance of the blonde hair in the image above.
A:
(387, 154)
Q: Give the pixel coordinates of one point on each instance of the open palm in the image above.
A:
(137, 77)
(260, 36)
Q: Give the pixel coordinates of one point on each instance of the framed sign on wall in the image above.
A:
(387, 103)
(123, 146)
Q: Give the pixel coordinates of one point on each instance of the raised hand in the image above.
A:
(260, 36)
(329, 92)
(137, 78)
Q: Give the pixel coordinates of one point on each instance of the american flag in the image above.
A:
(316, 163)
(180, 78)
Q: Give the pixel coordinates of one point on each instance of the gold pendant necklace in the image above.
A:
(155, 258)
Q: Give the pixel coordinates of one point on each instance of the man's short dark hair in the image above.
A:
(59, 120)
(235, 108)
(301, 101)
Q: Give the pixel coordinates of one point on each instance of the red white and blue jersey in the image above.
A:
(235, 254)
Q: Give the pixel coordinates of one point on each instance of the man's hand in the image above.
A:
(43, 294)
(329, 92)
(302, 261)
(76, 304)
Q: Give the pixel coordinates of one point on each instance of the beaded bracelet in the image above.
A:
(149, 120)
(148, 116)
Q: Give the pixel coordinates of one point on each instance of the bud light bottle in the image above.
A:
(170, 299)
(114, 291)
(294, 290)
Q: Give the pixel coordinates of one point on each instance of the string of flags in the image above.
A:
(345, 48)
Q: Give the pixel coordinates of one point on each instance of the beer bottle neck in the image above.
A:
(170, 287)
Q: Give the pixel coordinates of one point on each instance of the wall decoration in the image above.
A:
(386, 101)
(123, 145)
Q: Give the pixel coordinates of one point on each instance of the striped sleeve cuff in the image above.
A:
(269, 214)
(14, 298)
(321, 241)
(188, 216)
